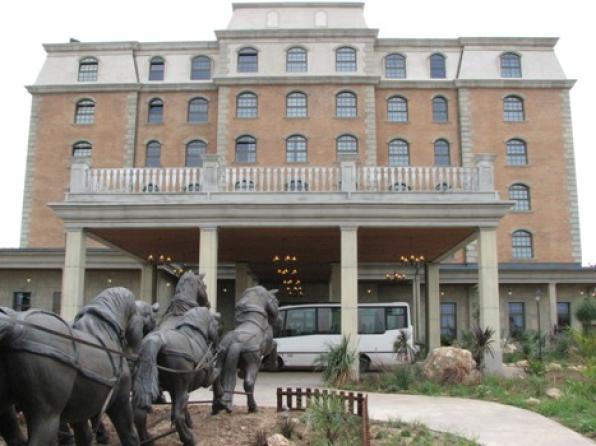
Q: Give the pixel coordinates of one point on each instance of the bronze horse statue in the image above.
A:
(244, 347)
(191, 292)
(187, 352)
(53, 379)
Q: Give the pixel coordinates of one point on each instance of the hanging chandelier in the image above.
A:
(285, 266)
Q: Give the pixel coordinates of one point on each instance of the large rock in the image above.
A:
(553, 393)
(278, 440)
(450, 365)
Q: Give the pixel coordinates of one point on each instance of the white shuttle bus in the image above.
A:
(308, 330)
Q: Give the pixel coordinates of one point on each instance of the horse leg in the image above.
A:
(188, 418)
(218, 394)
(250, 377)
(9, 428)
(43, 428)
(120, 413)
(141, 424)
(179, 414)
(82, 433)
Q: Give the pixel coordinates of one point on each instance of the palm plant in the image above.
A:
(402, 347)
(479, 341)
(337, 363)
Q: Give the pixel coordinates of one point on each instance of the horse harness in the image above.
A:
(19, 343)
(207, 357)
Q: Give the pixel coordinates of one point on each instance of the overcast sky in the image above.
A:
(25, 25)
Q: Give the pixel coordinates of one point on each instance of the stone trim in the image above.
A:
(130, 135)
(293, 80)
(87, 88)
(261, 5)
(259, 34)
(515, 83)
(464, 107)
(370, 121)
(223, 118)
(30, 171)
(571, 176)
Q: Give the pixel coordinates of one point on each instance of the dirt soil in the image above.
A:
(239, 428)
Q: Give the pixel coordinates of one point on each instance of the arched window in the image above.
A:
(246, 105)
(194, 153)
(88, 69)
(345, 105)
(442, 153)
(437, 66)
(296, 105)
(153, 155)
(521, 243)
(397, 109)
(85, 112)
(517, 152)
(399, 153)
(155, 115)
(395, 66)
(440, 109)
(246, 149)
(510, 65)
(200, 68)
(157, 68)
(347, 144)
(248, 60)
(296, 150)
(296, 60)
(520, 194)
(198, 110)
(345, 59)
(513, 109)
(81, 149)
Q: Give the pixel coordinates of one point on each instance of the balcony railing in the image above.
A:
(347, 177)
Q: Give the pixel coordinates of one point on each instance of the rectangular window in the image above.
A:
(449, 320)
(397, 317)
(328, 320)
(371, 320)
(517, 318)
(563, 314)
(22, 300)
(300, 322)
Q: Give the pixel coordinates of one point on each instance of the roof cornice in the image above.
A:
(74, 47)
(270, 5)
(509, 41)
(285, 80)
(515, 83)
(296, 33)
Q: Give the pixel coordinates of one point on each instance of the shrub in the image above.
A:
(479, 343)
(585, 344)
(287, 426)
(586, 313)
(530, 342)
(331, 424)
(337, 362)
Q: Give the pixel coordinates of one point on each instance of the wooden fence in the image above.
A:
(354, 403)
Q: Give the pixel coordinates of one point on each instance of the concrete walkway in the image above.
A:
(487, 423)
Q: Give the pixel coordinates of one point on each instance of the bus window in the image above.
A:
(279, 329)
(300, 322)
(329, 321)
(396, 318)
(371, 320)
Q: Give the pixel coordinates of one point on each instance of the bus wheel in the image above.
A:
(364, 364)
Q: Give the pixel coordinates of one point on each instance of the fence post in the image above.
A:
(211, 170)
(348, 171)
(279, 399)
(78, 174)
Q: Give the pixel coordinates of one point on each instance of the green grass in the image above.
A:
(575, 409)
(396, 433)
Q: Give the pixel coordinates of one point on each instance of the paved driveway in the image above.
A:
(488, 423)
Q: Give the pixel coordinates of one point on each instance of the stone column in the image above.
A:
(488, 295)
(416, 307)
(208, 262)
(552, 306)
(73, 275)
(147, 292)
(349, 288)
(433, 306)
(244, 279)
(335, 283)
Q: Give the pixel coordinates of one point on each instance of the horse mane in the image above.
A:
(185, 295)
(116, 304)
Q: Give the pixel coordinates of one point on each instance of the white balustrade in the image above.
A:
(144, 180)
(280, 179)
(418, 179)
